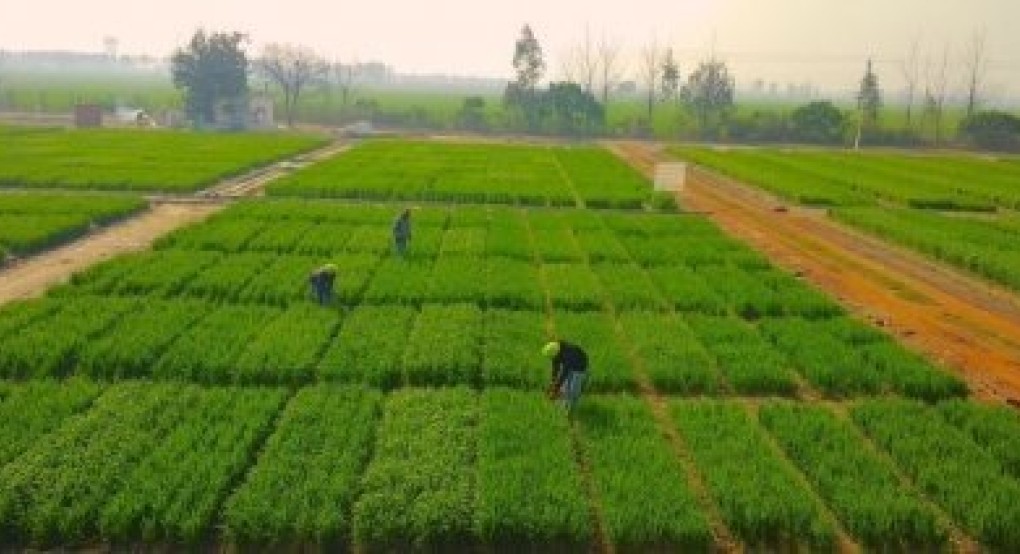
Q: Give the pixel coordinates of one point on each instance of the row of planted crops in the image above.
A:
(34, 222)
(958, 209)
(455, 468)
(427, 427)
(228, 302)
(196, 396)
(524, 174)
(152, 160)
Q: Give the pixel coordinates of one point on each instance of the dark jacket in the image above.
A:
(570, 358)
(322, 277)
(402, 227)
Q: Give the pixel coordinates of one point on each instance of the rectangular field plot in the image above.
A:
(48, 346)
(136, 160)
(871, 501)
(653, 508)
(208, 351)
(419, 489)
(530, 493)
(749, 363)
(897, 196)
(341, 466)
(304, 482)
(996, 428)
(945, 462)
(370, 347)
(32, 410)
(609, 367)
(444, 347)
(673, 358)
(54, 492)
(256, 257)
(133, 344)
(174, 494)
(33, 222)
(490, 173)
(757, 492)
(983, 245)
(510, 349)
(841, 367)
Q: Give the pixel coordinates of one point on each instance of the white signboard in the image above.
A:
(670, 176)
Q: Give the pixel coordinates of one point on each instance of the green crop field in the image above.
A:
(33, 222)
(529, 175)
(195, 396)
(958, 209)
(135, 160)
(845, 178)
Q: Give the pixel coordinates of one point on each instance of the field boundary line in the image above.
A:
(722, 536)
(948, 327)
(958, 537)
(597, 512)
(845, 542)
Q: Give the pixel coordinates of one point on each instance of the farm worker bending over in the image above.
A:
(569, 371)
(321, 281)
(402, 231)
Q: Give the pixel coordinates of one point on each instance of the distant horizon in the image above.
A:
(825, 43)
(488, 85)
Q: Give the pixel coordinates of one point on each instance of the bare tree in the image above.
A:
(609, 54)
(910, 68)
(649, 72)
(344, 75)
(936, 77)
(976, 64)
(589, 61)
(292, 68)
(570, 66)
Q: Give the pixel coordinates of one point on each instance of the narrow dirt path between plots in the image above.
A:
(970, 325)
(34, 275)
(253, 183)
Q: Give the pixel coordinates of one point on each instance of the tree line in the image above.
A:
(213, 71)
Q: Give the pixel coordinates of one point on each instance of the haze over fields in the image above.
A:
(786, 41)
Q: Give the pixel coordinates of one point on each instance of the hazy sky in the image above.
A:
(824, 41)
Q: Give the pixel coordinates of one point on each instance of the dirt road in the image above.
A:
(34, 275)
(38, 273)
(960, 320)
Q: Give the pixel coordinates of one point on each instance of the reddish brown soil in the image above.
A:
(957, 319)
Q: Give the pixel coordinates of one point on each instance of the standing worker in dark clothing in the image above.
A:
(569, 371)
(321, 281)
(402, 231)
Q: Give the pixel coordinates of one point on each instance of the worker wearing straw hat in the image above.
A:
(322, 280)
(569, 371)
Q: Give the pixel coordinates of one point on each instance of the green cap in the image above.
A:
(551, 349)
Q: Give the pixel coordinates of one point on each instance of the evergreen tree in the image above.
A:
(530, 66)
(670, 77)
(869, 99)
(213, 68)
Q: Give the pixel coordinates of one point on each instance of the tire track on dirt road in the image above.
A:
(959, 320)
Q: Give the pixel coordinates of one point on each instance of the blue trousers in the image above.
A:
(323, 293)
(572, 389)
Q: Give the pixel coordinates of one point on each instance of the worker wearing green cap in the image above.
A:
(402, 232)
(569, 371)
(321, 281)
